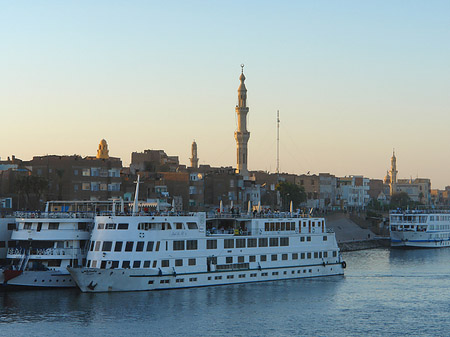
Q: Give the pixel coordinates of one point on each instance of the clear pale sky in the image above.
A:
(352, 81)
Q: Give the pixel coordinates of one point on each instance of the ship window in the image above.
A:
(241, 275)
(211, 244)
(193, 279)
(262, 242)
(191, 244)
(157, 246)
(53, 226)
(230, 276)
(283, 226)
(253, 275)
(154, 264)
(94, 264)
(325, 254)
(294, 256)
(179, 225)
(308, 255)
(251, 243)
(136, 264)
(334, 253)
(81, 226)
(150, 246)
(122, 226)
(320, 255)
(2, 244)
(99, 226)
(140, 246)
(107, 245)
(325, 238)
(103, 265)
(240, 243)
(272, 226)
(228, 243)
(150, 282)
(147, 264)
(284, 242)
(240, 259)
(54, 263)
(114, 264)
(97, 246)
(129, 246)
(92, 245)
(284, 256)
(178, 262)
(118, 247)
(273, 242)
(308, 238)
(229, 259)
(218, 277)
(178, 245)
(266, 226)
(274, 257)
(264, 274)
(316, 255)
(11, 226)
(125, 264)
(252, 258)
(110, 226)
(192, 262)
(275, 273)
(302, 256)
(192, 225)
(263, 258)
(164, 263)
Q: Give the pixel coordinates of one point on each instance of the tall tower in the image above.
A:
(242, 135)
(194, 158)
(393, 172)
(103, 152)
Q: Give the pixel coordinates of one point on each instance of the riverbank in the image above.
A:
(351, 236)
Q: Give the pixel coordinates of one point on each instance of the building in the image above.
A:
(353, 192)
(77, 178)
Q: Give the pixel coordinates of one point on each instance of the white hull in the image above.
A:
(420, 240)
(110, 280)
(46, 279)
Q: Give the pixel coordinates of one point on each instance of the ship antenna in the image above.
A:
(136, 196)
(278, 144)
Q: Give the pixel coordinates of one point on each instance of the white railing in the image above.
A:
(47, 251)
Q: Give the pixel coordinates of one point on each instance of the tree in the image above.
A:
(401, 200)
(29, 186)
(291, 192)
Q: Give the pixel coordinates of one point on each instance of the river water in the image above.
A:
(384, 292)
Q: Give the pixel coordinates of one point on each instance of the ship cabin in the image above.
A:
(419, 221)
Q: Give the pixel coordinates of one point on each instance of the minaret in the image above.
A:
(194, 158)
(393, 172)
(103, 152)
(242, 135)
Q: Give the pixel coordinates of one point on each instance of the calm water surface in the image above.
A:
(384, 292)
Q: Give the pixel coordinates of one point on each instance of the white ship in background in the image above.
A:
(420, 229)
(48, 242)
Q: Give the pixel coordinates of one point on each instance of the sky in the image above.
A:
(352, 81)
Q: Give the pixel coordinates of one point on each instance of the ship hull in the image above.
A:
(112, 280)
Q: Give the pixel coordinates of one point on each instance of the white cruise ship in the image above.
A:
(420, 229)
(46, 243)
(145, 252)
